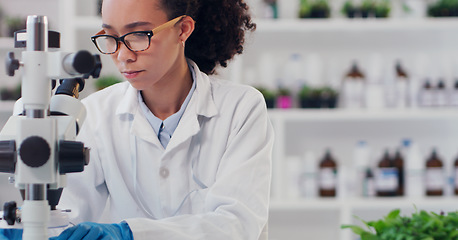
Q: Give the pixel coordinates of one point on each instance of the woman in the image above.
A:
(175, 154)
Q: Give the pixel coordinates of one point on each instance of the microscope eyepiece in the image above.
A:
(81, 62)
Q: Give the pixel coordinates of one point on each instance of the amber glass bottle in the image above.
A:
(434, 178)
(328, 175)
(386, 177)
(399, 165)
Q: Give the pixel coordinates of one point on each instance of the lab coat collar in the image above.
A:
(201, 104)
(205, 104)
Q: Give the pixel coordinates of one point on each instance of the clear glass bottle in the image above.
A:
(455, 168)
(369, 183)
(361, 155)
(454, 94)
(327, 175)
(441, 94)
(434, 175)
(427, 94)
(353, 88)
(402, 87)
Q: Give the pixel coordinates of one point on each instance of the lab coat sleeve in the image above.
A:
(86, 192)
(237, 203)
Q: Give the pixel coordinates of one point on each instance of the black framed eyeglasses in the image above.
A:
(135, 41)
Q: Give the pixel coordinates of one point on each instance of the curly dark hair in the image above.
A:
(219, 32)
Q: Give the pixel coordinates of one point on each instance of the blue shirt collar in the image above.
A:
(170, 123)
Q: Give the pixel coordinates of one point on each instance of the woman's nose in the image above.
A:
(125, 54)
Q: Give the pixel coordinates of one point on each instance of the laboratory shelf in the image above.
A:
(388, 203)
(340, 114)
(329, 204)
(350, 25)
(367, 204)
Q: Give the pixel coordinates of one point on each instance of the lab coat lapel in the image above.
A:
(140, 126)
(142, 129)
(201, 104)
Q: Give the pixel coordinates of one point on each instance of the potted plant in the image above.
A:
(382, 9)
(304, 9)
(320, 9)
(309, 97)
(8, 94)
(421, 225)
(106, 81)
(315, 9)
(349, 9)
(269, 96)
(284, 99)
(15, 24)
(443, 8)
(329, 97)
(368, 8)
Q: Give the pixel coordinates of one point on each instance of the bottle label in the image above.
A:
(386, 179)
(434, 179)
(328, 178)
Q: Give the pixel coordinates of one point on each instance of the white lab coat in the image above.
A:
(211, 182)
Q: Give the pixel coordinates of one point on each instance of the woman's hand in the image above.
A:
(96, 231)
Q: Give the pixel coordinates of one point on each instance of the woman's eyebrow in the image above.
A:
(136, 24)
(128, 26)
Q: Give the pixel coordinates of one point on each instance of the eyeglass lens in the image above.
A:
(136, 41)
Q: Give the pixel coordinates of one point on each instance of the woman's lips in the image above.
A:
(131, 74)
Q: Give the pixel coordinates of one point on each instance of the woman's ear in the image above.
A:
(187, 27)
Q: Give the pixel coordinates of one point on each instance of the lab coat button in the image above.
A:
(164, 172)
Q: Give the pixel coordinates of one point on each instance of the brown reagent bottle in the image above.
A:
(327, 176)
(434, 179)
(386, 177)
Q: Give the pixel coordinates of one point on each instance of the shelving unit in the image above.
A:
(337, 41)
(299, 130)
(347, 25)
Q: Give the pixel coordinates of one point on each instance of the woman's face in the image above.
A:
(147, 68)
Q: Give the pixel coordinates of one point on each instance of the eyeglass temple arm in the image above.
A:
(158, 29)
(167, 24)
(101, 32)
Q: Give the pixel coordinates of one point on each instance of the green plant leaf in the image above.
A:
(421, 225)
(356, 229)
(369, 236)
(393, 214)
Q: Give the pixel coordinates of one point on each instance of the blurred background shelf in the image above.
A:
(339, 114)
(386, 25)
(329, 45)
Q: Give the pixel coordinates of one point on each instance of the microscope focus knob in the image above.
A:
(9, 212)
(12, 64)
(73, 156)
(8, 156)
(35, 151)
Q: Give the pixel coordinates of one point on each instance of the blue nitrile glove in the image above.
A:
(11, 234)
(96, 231)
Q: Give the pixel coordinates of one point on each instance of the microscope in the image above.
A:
(38, 145)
